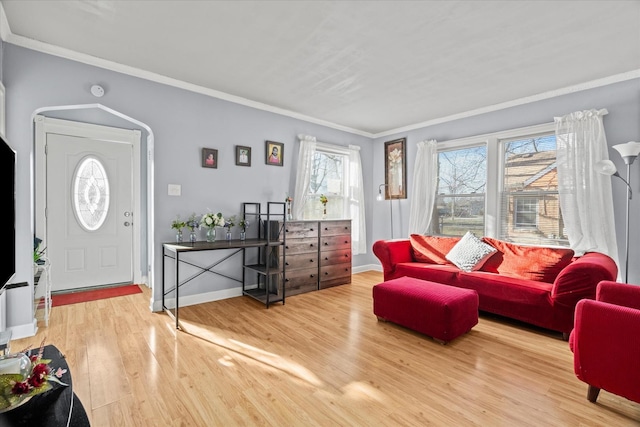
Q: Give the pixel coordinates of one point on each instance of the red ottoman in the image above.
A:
(440, 311)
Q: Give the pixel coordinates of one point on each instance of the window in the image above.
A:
(329, 176)
(530, 208)
(460, 202)
(502, 185)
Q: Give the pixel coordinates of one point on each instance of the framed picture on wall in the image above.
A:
(243, 155)
(395, 171)
(275, 153)
(209, 158)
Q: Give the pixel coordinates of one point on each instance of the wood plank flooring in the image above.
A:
(322, 359)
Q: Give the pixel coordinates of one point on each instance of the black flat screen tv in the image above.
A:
(8, 206)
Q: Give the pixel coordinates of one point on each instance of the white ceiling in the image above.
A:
(371, 67)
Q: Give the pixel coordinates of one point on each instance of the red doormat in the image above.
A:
(94, 294)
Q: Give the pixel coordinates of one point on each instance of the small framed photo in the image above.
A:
(275, 153)
(209, 158)
(243, 155)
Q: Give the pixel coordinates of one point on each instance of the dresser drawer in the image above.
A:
(333, 275)
(300, 229)
(335, 242)
(333, 228)
(300, 246)
(294, 262)
(335, 257)
(302, 280)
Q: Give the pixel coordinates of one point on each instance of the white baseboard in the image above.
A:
(199, 298)
(367, 267)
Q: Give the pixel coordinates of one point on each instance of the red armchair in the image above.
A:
(605, 343)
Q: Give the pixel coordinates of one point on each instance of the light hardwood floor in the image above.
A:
(322, 359)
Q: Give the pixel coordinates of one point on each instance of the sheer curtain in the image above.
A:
(356, 202)
(303, 174)
(585, 195)
(424, 188)
(353, 184)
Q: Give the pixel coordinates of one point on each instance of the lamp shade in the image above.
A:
(605, 167)
(628, 151)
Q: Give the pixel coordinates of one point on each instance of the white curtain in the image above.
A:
(585, 195)
(424, 188)
(356, 202)
(303, 174)
(308, 147)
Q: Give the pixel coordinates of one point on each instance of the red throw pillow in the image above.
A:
(539, 263)
(432, 249)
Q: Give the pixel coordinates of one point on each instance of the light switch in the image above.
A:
(174, 189)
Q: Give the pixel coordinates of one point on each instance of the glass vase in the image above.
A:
(289, 215)
(228, 235)
(324, 213)
(192, 237)
(243, 235)
(179, 236)
(211, 234)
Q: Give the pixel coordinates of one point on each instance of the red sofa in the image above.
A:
(537, 285)
(605, 350)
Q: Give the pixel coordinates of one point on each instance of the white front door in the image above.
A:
(89, 221)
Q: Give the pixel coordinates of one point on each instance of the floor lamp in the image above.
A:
(380, 198)
(628, 152)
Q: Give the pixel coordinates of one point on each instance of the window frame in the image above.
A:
(495, 166)
(345, 196)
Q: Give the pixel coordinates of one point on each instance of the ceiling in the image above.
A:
(368, 67)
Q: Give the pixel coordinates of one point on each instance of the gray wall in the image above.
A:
(622, 124)
(183, 122)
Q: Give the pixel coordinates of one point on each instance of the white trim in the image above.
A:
(201, 298)
(169, 81)
(3, 111)
(9, 37)
(24, 330)
(5, 30)
(366, 267)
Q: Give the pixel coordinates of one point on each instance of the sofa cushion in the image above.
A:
(536, 263)
(432, 249)
(470, 252)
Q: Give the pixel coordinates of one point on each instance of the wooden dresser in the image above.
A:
(318, 255)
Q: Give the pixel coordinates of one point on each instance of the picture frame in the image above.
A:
(243, 155)
(395, 169)
(210, 158)
(274, 153)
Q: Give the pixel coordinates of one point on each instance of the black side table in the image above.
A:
(58, 407)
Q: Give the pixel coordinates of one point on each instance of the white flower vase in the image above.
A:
(289, 215)
(228, 236)
(179, 236)
(243, 234)
(211, 234)
(193, 237)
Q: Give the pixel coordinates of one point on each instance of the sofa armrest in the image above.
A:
(580, 278)
(392, 252)
(605, 353)
(619, 293)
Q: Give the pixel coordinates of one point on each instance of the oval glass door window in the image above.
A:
(91, 194)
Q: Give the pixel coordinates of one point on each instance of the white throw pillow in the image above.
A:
(470, 253)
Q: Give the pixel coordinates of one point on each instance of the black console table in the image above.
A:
(175, 251)
(58, 407)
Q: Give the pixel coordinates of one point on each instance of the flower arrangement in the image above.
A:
(192, 222)
(243, 224)
(35, 379)
(288, 199)
(211, 220)
(323, 200)
(178, 224)
(230, 222)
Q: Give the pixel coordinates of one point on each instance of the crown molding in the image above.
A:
(630, 75)
(9, 37)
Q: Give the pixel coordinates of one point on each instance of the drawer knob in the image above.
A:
(286, 263)
(311, 229)
(346, 255)
(326, 228)
(311, 275)
(346, 228)
(286, 230)
(346, 241)
(346, 269)
(326, 273)
(286, 247)
(326, 243)
(310, 260)
(286, 280)
(311, 245)
(326, 258)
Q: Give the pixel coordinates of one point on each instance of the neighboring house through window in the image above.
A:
(502, 185)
